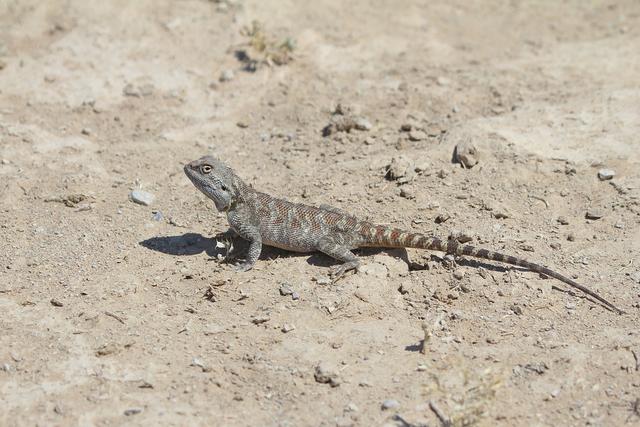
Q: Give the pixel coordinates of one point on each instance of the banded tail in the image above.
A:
(387, 237)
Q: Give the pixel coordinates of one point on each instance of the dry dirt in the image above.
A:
(115, 313)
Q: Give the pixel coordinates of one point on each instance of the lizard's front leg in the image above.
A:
(341, 253)
(255, 248)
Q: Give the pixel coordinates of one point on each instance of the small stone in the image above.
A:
(618, 225)
(407, 193)
(259, 319)
(86, 131)
(326, 375)
(362, 123)
(287, 328)
(606, 174)
(226, 75)
(571, 237)
(443, 217)
(351, 407)
(295, 296)
(390, 404)
(563, 220)
(131, 90)
(142, 197)
(5, 161)
(458, 273)
(417, 135)
(443, 81)
(285, 289)
(405, 127)
(157, 216)
(594, 213)
(242, 124)
(400, 168)
(56, 303)
(516, 309)
(132, 411)
(466, 154)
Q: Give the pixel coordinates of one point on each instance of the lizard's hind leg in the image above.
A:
(341, 253)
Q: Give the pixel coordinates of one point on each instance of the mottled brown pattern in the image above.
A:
(262, 219)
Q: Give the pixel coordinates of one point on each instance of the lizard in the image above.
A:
(262, 219)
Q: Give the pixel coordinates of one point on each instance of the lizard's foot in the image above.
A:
(338, 271)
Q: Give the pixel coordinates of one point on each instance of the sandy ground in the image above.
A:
(116, 313)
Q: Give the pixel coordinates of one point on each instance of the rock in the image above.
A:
(417, 135)
(466, 154)
(442, 217)
(390, 404)
(443, 81)
(295, 296)
(407, 193)
(285, 289)
(361, 123)
(400, 168)
(132, 411)
(226, 75)
(326, 375)
(458, 273)
(141, 197)
(56, 303)
(157, 216)
(594, 213)
(563, 220)
(86, 131)
(242, 124)
(131, 90)
(405, 127)
(287, 328)
(571, 237)
(606, 174)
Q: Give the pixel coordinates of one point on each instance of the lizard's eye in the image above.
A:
(205, 169)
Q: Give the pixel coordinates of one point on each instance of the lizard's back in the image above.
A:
(299, 227)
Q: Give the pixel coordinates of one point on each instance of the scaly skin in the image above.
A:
(262, 219)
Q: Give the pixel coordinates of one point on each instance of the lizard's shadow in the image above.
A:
(186, 244)
(195, 243)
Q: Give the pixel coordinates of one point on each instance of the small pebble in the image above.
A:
(287, 328)
(242, 124)
(325, 375)
(56, 303)
(571, 237)
(390, 404)
(157, 216)
(417, 135)
(466, 154)
(405, 127)
(458, 273)
(594, 213)
(407, 193)
(226, 76)
(563, 220)
(606, 174)
(141, 197)
(362, 123)
(132, 411)
(285, 289)
(86, 131)
(295, 296)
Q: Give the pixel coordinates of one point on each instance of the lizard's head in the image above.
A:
(216, 180)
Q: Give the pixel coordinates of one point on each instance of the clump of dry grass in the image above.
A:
(263, 49)
(467, 397)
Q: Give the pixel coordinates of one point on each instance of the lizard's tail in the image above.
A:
(386, 237)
